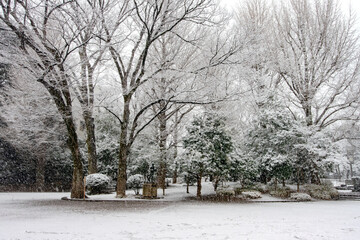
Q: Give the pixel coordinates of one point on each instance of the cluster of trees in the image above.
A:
(116, 81)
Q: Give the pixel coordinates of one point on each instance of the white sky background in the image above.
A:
(354, 4)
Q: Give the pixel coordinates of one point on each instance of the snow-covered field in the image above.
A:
(45, 216)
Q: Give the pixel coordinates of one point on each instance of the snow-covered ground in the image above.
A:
(45, 216)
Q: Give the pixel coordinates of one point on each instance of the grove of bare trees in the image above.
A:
(136, 72)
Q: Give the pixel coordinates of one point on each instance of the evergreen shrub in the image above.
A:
(97, 183)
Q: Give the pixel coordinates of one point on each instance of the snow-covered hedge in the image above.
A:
(324, 191)
(238, 189)
(97, 183)
(252, 194)
(280, 192)
(300, 197)
(256, 187)
(225, 194)
(135, 182)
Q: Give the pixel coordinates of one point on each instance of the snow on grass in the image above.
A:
(36, 219)
(44, 216)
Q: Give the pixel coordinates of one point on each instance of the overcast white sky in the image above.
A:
(355, 4)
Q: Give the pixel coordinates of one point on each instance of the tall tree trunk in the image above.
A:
(162, 147)
(175, 173)
(86, 99)
(77, 188)
(175, 144)
(308, 113)
(298, 180)
(90, 143)
(198, 191)
(63, 102)
(123, 148)
(40, 173)
(216, 182)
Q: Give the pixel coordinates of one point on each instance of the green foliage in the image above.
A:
(135, 182)
(251, 186)
(271, 142)
(280, 192)
(251, 194)
(107, 162)
(144, 153)
(237, 189)
(317, 154)
(143, 168)
(242, 167)
(58, 172)
(107, 133)
(208, 145)
(97, 183)
(225, 194)
(188, 172)
(324, 191)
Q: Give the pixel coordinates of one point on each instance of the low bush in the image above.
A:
(97, 183)
(225, 194)
(280, 192)
(237, 190)
(300, 197)
(135, 182)
(252, 194)
(325, 191)
(255, 187)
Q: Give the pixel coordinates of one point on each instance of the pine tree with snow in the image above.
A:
(271, 142)
(208, 147)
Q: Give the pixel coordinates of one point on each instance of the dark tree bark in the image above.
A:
(90, 143)
(40, 173)
(198, 189)
(86, 99)
(77, 187)
(47, 64)
(216, 182)
(124, 149)
(298, 180)
(162, 146)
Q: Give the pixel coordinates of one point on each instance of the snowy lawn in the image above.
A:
(44, 216)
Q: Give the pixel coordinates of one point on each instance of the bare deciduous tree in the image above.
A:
(149, 21)
(44, 48)
(317, 58)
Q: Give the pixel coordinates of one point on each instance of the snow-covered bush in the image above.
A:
(237, 189)
(324, 191)
(97, 183)
(251, 194)
(300, 197)
(135, 182)
(225, 193)
(262, 188)
(281, 192)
